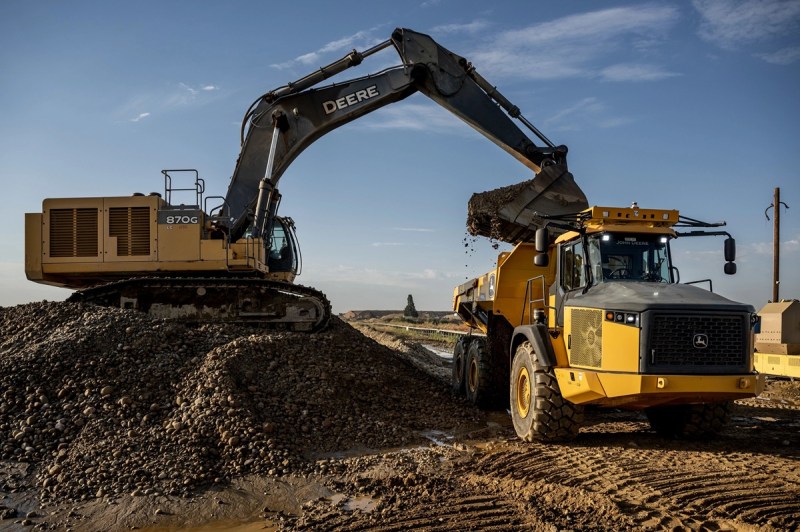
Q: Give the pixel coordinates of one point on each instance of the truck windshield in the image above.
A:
(627, 256)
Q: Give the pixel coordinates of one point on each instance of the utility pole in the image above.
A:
(776, 242)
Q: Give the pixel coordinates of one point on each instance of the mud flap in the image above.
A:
(538, 337)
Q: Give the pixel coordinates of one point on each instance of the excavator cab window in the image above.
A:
(282, 252)
(625, 256)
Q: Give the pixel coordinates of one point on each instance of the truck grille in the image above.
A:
(131, 226)
(587, 338)
(73, 232)
(698, 340)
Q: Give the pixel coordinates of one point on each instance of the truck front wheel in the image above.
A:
(538, 410)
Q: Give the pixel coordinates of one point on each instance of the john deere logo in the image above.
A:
(700, 341)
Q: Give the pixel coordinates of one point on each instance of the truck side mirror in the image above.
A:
(730, 249)
(541, 243)
(730, 256)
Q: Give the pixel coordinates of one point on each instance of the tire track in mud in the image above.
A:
(662, 488)
(455, 511)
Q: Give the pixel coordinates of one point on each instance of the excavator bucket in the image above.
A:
(513, 213)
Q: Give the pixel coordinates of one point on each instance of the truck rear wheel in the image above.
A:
(482, 385)
(689, 421)
(459, 373)
(538, 410)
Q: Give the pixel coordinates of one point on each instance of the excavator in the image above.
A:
(238, 260)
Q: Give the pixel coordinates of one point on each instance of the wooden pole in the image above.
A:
(776, 246)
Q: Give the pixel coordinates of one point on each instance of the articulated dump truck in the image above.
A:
(591, 311)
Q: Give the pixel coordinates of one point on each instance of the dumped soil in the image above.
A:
(483, 210)
(513, 213)
(111, 420)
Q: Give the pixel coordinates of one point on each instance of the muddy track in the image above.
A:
(617, 475)
(661, 488)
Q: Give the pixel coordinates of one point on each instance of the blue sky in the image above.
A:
(680, 105)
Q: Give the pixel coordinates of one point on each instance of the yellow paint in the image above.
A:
(33, 246)
(176, 248)
(523, 387)
(620, 347)
(641, 391)
(579, 386)
(778, 364)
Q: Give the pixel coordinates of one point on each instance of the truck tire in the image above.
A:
(482, 385)
(459, 372)
(538, 410)
(689, 421)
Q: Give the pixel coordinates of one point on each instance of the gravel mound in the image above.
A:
(105, 402)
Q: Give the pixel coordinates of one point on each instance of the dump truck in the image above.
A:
(185, 254)
(591, 311)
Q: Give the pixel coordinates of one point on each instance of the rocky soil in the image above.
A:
(104, 403)
(512, 213)
(110, 420)
(483, 208)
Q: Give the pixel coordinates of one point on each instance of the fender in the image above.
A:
(539, 338)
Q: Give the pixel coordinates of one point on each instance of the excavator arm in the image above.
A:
(283, 122)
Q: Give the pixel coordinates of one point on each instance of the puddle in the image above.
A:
(216, 526)
(438, 437)
(441, 353)
(363, 504)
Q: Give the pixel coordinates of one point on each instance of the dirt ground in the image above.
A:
(475, 475)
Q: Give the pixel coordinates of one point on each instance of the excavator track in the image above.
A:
(252, 301)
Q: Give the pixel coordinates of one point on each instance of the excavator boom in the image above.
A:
(300, 114)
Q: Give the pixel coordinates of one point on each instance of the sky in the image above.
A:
(692, 106)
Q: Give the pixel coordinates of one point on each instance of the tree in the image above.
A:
(410, 310)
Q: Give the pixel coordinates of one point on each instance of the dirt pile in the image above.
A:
(105, 402)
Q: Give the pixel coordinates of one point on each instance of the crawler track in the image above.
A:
(245, 300)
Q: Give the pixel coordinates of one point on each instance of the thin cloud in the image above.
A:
(571, 46)
(588, 112)
(766, 248)
(170, 97)
(732, 23)
(785, 56)
(360, 39)
(470, 27)
(191, 91)
(634, 72)
(585, 106)
(414, 229)
(374, 276)
(417, 117)
(387, 244)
